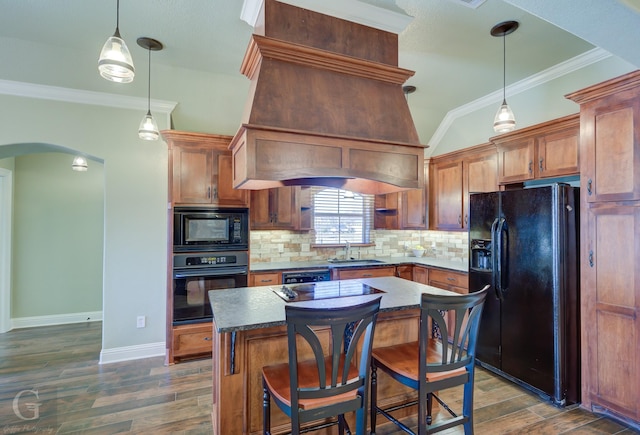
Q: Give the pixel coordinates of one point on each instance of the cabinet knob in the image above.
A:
(459, 219)
(207, 339)
(209, 192)
(540, 164)
(591, 258)
(589, 186)
(530, 166)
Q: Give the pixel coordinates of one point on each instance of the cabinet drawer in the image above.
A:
(192, 339)
(446, 279)
(366, 273)
(258, 279)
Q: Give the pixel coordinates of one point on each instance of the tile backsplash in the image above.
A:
(281, 245)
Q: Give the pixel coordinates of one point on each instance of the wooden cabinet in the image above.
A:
(192, 340)
(264, 278)
(200, 170)
(421, 274)
(405, 210)
(405, 271)
(276, 208)
(610, 246)
(449, 280)
(453, 177)
(369, 272)
(544, 150)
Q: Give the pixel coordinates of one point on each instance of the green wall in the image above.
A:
(57, 236)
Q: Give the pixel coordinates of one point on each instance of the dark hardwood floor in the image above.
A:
(77, 395)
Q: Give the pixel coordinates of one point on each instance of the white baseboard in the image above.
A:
(127, 353)
(55, 319)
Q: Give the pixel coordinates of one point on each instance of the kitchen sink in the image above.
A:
(355, 260)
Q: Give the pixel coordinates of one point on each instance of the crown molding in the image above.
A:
(578, 62)
(68, 95)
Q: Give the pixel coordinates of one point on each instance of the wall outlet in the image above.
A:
(140, 322)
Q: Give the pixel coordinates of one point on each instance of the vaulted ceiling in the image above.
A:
(447, 43)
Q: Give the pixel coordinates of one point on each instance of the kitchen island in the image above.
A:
(249, 332)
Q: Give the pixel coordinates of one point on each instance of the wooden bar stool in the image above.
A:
(432, 364)
(336, 380)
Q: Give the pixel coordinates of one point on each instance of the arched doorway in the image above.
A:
(52, 243)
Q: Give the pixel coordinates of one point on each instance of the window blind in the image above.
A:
(341, 216)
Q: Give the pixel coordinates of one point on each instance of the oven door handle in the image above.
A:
(240, 270)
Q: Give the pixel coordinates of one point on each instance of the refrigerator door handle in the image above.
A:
(503, 260)
(495, 260)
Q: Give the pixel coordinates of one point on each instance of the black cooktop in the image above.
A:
(323, 290)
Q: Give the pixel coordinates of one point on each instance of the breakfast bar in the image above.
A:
(249, 332)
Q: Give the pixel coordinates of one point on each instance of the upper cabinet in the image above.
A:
(544, 150)
(453, 177)
(200, 170)
(402, 210)
(276, 208)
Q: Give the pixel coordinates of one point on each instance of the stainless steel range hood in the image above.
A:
(325, 107)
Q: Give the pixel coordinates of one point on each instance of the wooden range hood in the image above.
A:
(325, 107)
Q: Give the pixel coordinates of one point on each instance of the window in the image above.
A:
(341, 216)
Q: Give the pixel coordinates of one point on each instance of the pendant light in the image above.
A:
(504, 120)
(115, 63)
(148, 128)
(79, 164)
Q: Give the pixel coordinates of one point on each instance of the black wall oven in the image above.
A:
(194, 274)
(212, 229)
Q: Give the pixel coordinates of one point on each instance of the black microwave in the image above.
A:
(210, 229)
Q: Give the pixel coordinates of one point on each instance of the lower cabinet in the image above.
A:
(405, 271)
(267, 278)
(192, 340)
(421, 274)
(449, 280)
(370, 272)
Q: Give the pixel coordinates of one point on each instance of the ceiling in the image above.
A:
(447, 44)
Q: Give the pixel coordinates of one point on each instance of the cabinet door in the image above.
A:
(414, 209)
(610, 142)
(480, 175)
(259, 210)
(610, 309)
(225, 193)
(448, 195)
(192, 175)
(421, 274)
(558, 154)
(405, 271)
(284, 204)
(274, 208)
(516, 161)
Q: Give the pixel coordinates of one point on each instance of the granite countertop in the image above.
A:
(246, 308)
(458, 266)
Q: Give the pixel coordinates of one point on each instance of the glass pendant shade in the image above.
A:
(148, 128)
(79, 164)
(504, 120)
(115, 63)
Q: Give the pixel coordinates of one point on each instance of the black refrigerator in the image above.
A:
(524, 243)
